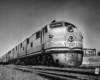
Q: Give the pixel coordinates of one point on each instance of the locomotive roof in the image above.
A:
(54, 22)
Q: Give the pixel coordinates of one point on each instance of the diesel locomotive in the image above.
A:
(59, 44)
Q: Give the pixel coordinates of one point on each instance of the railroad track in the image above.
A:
(60, 73)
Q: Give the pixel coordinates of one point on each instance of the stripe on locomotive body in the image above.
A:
(64, 49)
(68, 44)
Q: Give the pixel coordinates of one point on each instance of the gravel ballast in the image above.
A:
(13, 74)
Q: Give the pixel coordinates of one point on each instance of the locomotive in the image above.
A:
(57, 44)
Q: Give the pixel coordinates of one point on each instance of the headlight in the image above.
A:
(70, 28)
(71, 39)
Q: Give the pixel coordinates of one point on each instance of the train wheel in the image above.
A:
(44, 61)
(24, 61)
(18, 61)
(39, 60)
(50, 60)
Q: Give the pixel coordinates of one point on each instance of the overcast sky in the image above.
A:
(21, 18)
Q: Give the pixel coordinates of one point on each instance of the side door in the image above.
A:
(43, 36)
(42, 39)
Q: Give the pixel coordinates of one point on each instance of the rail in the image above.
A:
(60, 73)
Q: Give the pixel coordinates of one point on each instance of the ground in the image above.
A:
(12, 74)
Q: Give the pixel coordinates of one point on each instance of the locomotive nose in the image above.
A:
(71, 59)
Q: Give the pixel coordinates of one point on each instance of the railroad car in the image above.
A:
(57, 44)
(1, 60)
(91, 59)
(89, 52)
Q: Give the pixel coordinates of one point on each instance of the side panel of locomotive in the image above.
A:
(34, 45)
(31, 45)
(4, 59)
(11, 55)
(37, 41)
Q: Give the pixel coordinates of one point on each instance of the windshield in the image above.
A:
(68, 24)
(55, 25)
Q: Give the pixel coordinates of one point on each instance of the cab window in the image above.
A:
(45, 30)
(68, 24)
(16, 47)
(27, 40)
(37, 34)
(21, 45)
